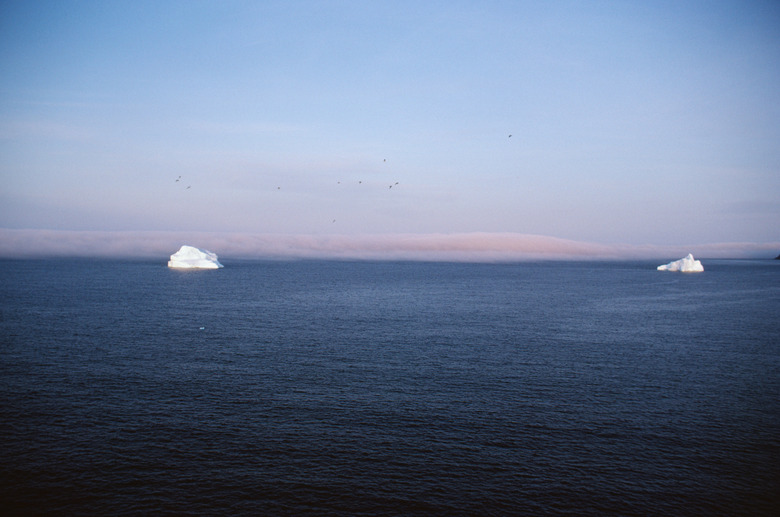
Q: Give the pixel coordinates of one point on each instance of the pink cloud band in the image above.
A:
(489, 247)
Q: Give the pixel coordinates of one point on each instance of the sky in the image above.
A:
(343, 124)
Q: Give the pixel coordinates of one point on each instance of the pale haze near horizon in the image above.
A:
(631, 123)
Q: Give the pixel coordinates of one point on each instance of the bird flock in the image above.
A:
(360, 182)
(178, 180)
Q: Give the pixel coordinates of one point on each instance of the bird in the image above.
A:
(188, 187)
(510, 136)
(177, 179)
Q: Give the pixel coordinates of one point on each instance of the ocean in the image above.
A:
(389, 388)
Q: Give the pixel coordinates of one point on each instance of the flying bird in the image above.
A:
(510, 136)
(188, 187)
(177, 179)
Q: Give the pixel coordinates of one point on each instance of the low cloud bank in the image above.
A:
(476, 247)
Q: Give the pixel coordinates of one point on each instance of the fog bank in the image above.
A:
(467, 247)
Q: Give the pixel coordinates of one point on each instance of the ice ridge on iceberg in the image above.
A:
(685, 265)
(189, 257)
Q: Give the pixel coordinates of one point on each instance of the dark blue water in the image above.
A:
(380, 388)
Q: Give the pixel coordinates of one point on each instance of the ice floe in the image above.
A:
(190, 257)
(684, 265)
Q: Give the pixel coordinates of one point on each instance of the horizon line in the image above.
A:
(459, 247)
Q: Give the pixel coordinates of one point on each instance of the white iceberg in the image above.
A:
(189, 257)
(685, 265)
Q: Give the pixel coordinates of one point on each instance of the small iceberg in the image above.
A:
(685, 265)
(189, 257)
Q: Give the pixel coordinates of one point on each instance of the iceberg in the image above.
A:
(685, 265)
(189, 257)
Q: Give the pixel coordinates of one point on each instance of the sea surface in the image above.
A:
(389, 388)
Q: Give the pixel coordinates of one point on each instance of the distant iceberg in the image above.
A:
(685, 265)
(189, 257)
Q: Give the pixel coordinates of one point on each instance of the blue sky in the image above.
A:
(632, 123)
